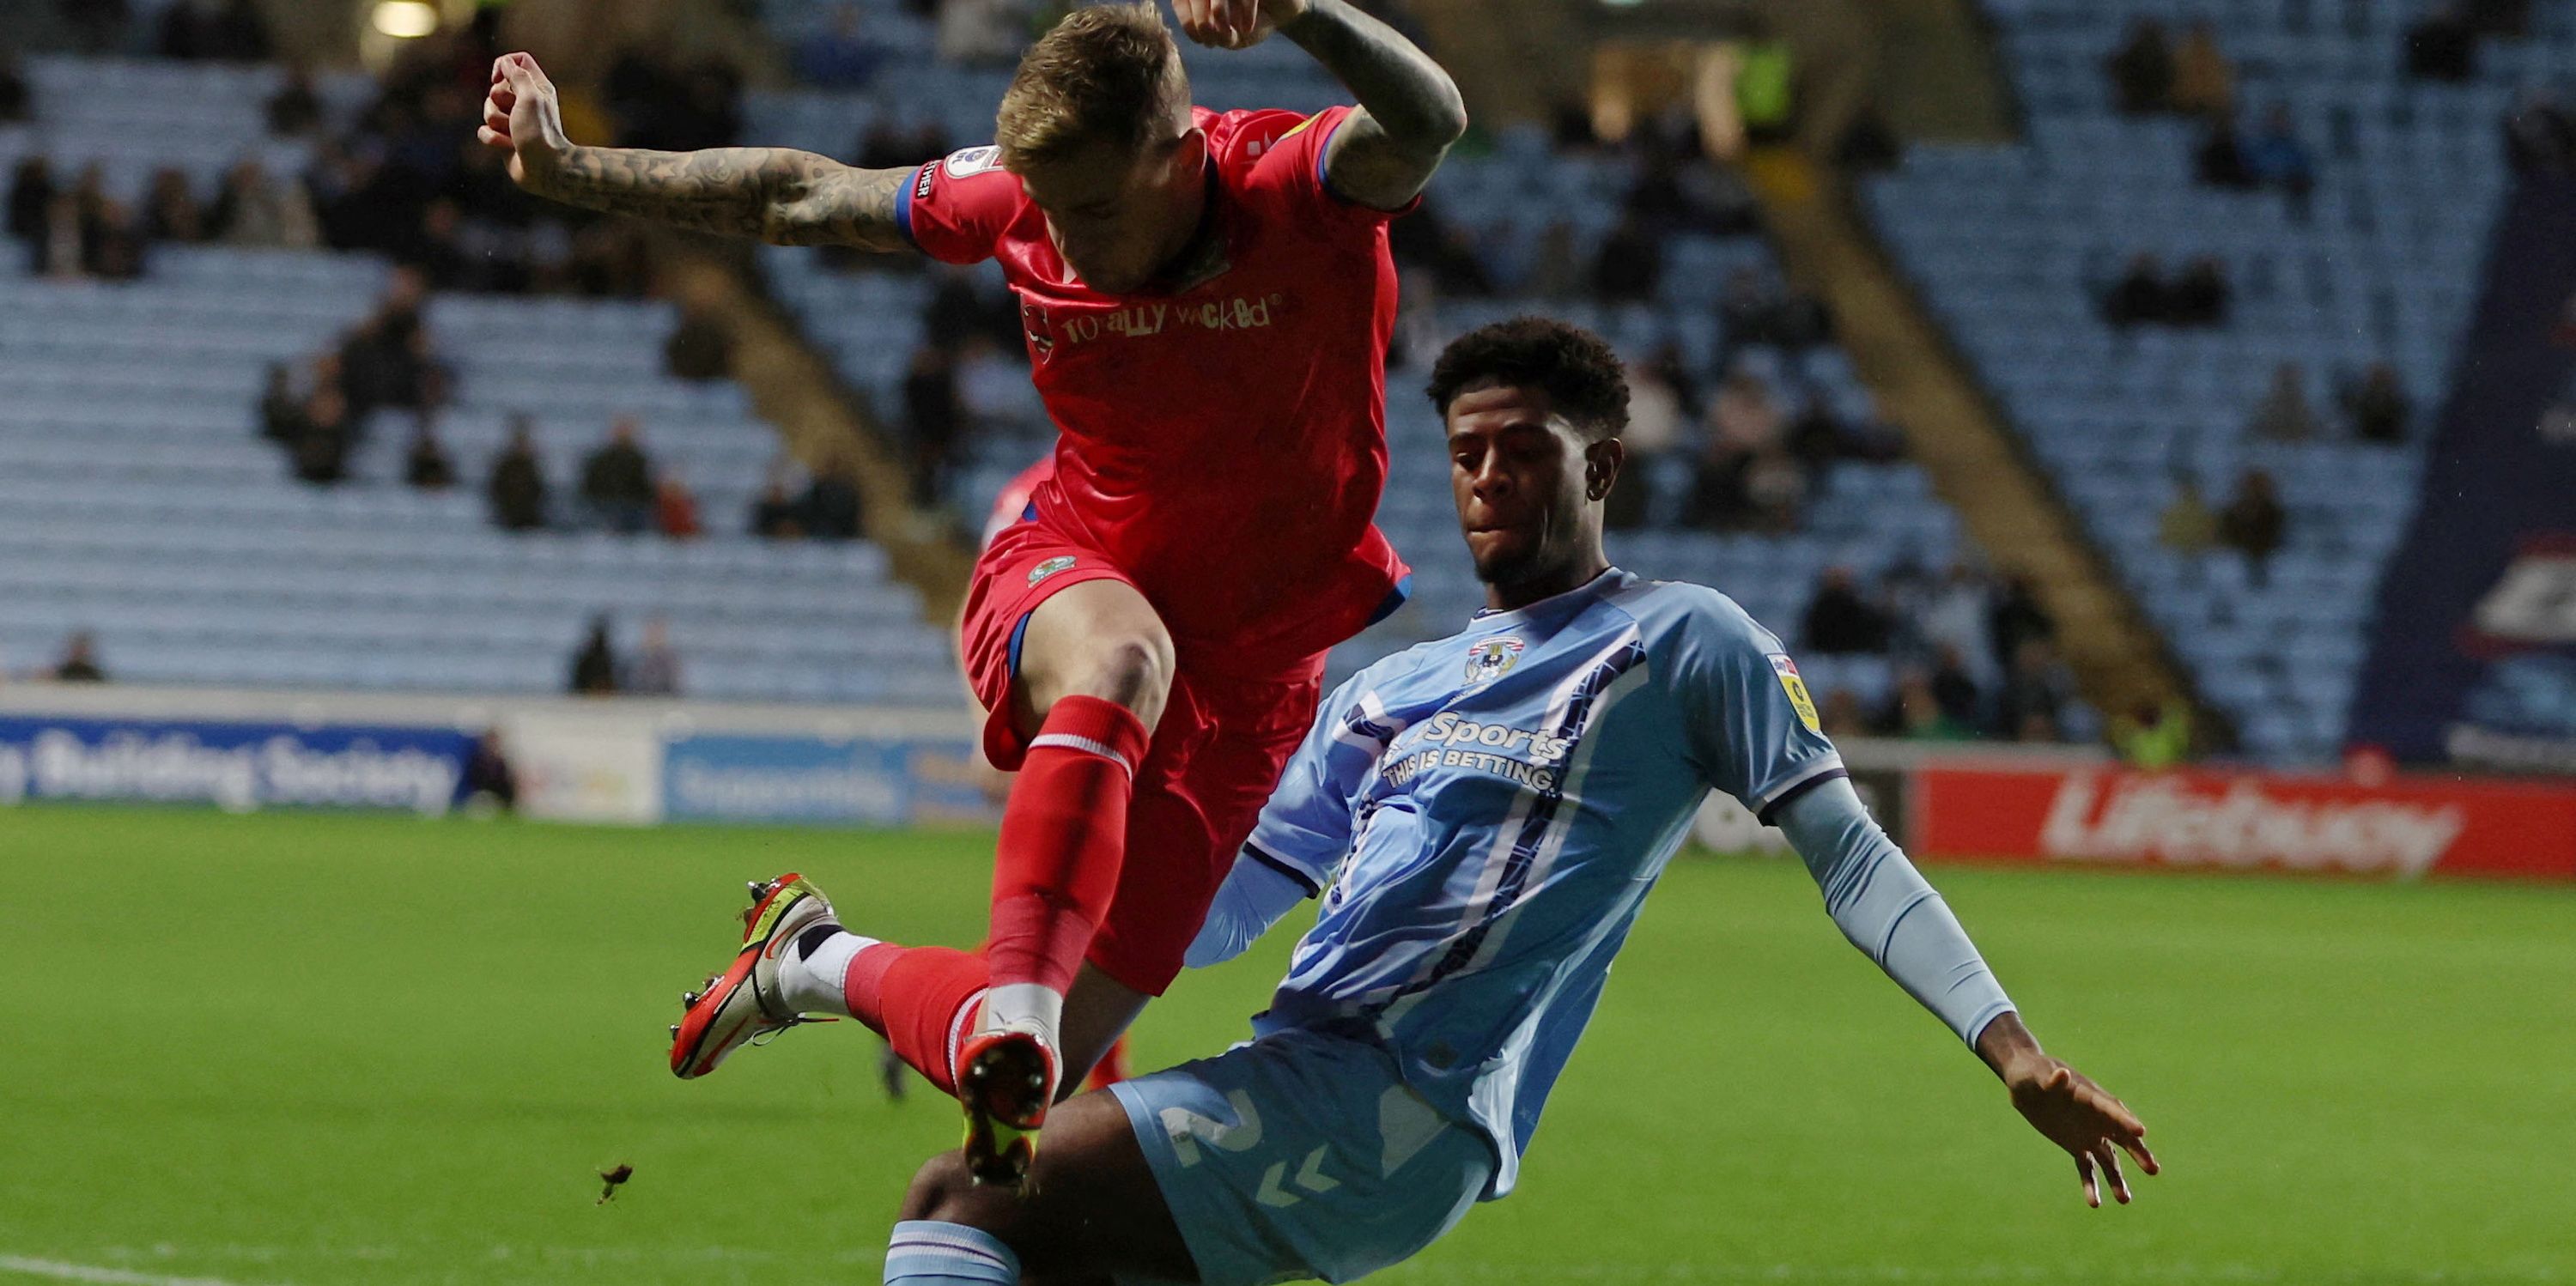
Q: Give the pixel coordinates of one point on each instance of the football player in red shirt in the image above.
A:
(1207, 299)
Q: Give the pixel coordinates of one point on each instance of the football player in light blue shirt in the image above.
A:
(1482, 817)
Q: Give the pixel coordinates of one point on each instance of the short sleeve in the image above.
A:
(1753, 728)
(956, 208)
(1306, 828)
(1293, 168)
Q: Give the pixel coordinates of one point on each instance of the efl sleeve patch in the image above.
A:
(1796, 687)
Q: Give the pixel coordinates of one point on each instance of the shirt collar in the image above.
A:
(1486, 616)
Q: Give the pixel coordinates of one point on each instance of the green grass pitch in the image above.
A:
(313, 1049)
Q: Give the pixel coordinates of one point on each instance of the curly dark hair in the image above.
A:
(1576, 368)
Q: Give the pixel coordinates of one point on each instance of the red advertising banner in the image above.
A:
(2225, 819)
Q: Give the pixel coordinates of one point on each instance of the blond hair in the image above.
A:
(1106, 74)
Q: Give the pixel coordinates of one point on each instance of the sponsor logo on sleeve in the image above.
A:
(1050, 567)
(969, 162)
(1796, 687)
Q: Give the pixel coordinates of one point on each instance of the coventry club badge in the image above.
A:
(1492, 658)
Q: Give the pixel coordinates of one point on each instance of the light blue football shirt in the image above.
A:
(1486, 813)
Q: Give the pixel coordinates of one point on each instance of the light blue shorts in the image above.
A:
(1300, 1156)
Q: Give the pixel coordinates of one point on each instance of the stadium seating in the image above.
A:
(2013, 246)
(1868, 517)
(137, 500)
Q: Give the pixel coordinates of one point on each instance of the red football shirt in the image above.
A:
(1223, 444)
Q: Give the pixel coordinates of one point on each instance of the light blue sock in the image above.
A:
(928, 1253)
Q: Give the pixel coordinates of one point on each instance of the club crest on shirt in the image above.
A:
(1797, 689)
(1050, 567)
(1492, 658)
(969, 162)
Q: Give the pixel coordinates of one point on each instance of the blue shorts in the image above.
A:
(1300, 1156)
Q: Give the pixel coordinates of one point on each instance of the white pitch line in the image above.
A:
(90, 1273)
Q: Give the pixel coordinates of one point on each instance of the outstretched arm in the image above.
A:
(775, 194)
(1409, 112)
(1887, 910)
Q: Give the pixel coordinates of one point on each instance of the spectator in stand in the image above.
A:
(15, 105)
(490, 782)
(322, 445)
(655, 670)
(59, 250)
(281, 412)
(2204, 82)
(517, 488)
(594, 666)
(1843, 716)
(2017, 616)
(701, 346)
(254, 210)
(31, 199)
(2037, 692)
(426, 466)
(932, 414)
(1819, 437)
(1954, 687)
(170, 211)
(1839, 621)
(1916, 714)
(2142, 70)
(1775, 491)
(2153, 735)
(2187, 527)
(113, 244)
(776, 515)
(2539, 137)
(675, 510)
(1654, 433)
(2284, 415)
(2141, 298)
(295, 110)
(437, 250)
(1629, 266)
(1955, 615)
(2277, 158)
(980, 33)
(839, 55)
(830, 510)
(2444, 46)
(617, 480)
(1744, 417)
(80, 661)
(2377, 405)
(2200, 295)
(2254, 523)
(232, 31)
(2220, 160)
(1747, 314)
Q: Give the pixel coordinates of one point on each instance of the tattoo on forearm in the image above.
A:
(782, 196)
(1409, 96)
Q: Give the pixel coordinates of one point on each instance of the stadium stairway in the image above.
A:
(2013, 247)
(1959, 438)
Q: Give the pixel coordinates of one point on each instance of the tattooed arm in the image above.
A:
(785, 197)
(1409, 113)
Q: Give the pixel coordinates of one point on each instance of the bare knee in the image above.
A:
(1135, 671)
(944, 1192)
(1099, 639)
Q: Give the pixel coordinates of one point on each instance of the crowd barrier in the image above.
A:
(644, 762)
